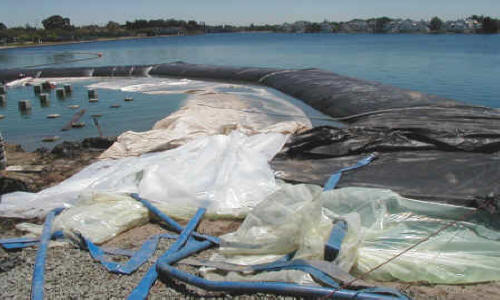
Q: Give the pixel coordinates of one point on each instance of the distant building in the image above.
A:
(354, 26)
(393, 26)
(326, 27)
(300, 26)
(406, 26)
(286, 27)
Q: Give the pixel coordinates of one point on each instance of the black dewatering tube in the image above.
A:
(332, 94)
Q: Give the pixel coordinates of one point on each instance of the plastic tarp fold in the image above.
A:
(211, 108)
(228, 175)
(381, 224)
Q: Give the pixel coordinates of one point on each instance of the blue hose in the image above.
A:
(38, 281)
(136, 260)
(335, 178)
(19, 243)
(166, 271)
(142, 290)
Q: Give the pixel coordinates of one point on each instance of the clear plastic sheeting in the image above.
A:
(381, 224)
(288, 220)
(100, 217)
(212, 108)
(228, 175)
(463, 253)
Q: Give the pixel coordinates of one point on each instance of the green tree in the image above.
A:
(489, 25)
(380, 24)
(313, 27)
(56, 22)
(2, 26)
(436, 24)
(112, 26)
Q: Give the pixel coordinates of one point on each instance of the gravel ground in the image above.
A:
(72, 274)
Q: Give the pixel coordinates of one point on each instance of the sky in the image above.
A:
(242, 12)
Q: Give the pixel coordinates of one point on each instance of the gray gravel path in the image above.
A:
(72, 274)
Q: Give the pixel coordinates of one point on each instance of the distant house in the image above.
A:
(458, 26)
(407, 26)
(300, 26)
(473, 25)
(286, 27)
(326, 27)
(354, 26)
(462, 26)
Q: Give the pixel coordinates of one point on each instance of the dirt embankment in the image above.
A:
(34, 171)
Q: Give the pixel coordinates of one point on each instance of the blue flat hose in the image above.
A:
(335, 178)
(38, 281)
(19, 243)
(136, 260)
(142, 290)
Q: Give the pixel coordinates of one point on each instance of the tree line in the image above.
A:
(58, 29)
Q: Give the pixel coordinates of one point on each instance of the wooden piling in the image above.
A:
(37, 89)
(44, 100)
(24, 105)
(68, 88)
(60, 93)
(92, 94)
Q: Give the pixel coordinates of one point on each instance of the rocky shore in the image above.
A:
(42, 168)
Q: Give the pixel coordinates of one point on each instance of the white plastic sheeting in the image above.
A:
(228, 175)
(381, 224)
(101, 216)
(211, 108)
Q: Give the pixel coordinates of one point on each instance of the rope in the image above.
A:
(443, 228)
(94, 55)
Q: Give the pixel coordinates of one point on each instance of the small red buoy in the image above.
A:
(99, 54)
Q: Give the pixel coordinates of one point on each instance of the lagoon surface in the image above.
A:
(462, 67)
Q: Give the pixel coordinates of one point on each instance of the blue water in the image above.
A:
(463, 67)
(28, 130)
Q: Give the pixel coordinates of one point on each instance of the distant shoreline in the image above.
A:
(33, 45)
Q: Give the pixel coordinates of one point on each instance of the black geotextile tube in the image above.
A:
(424, 163)
(210, 72)
(330, 93)
(457, 178)
(124, 71)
